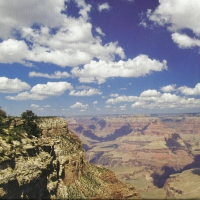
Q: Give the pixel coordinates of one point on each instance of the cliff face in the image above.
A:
(54, 166)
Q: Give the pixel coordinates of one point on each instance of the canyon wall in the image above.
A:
(54, 166)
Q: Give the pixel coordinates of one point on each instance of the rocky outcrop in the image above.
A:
(54, 166)
(184, 185)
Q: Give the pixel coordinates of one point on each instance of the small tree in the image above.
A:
(29, 124)
(2, 116)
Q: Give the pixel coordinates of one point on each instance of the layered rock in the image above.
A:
(149, 144)
(184, 185)
(54, 166)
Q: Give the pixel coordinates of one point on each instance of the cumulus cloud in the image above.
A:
(56, 75)
(42, 91)
(168, 88)
(152, 99)
(12, 85)
(79, 105)
(90, 92)
(12, 50)
(120, 99)
(150, 93)
(184, 41)
(190, 91)
(11, 15)
(99, 71)
(72, 43)
(26, 96)
(137, 104)
(171, 13)
(104, 6)
(51, 88)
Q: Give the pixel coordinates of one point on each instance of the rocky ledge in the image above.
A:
(54, 167)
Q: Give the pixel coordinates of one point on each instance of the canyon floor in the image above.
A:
(158, 154)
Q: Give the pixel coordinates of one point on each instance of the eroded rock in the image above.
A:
(54, 166)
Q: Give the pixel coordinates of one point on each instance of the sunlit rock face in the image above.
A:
(54, 166)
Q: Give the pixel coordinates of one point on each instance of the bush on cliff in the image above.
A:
(29, 124)
(2, 116)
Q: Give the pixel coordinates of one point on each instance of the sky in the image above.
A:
(89, 57)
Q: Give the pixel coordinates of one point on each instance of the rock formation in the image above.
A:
(144, 150)
(54, 167)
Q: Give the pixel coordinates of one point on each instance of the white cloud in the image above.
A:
(178, 15)
(34, 106)
(56, 75)
(104, 6)
(90, 92)
(137, 104)
(120, 99)
(168, 88)
(113, 95)
(26, 96)
(79, 105)
(143, 23)
(95, 102)
(14, 51)
(71, 45)
(101, 70)
(11, 15)
(51, 88)
(190, 91)
(85, 9)
(12, 85)
(99, 31)
(167, 101)
(172, 13)
(168, 98)
(42, 91)
(154, 100)
(150, 93)
(184, 41)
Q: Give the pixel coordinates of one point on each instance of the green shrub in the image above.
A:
(29, 124)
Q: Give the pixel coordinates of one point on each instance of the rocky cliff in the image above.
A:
(54, 167)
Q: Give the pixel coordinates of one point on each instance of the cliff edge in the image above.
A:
(53, 166)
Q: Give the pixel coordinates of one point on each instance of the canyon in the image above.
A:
(53, 166)
(159, 154)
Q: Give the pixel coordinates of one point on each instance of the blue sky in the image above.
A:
(69, 57)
